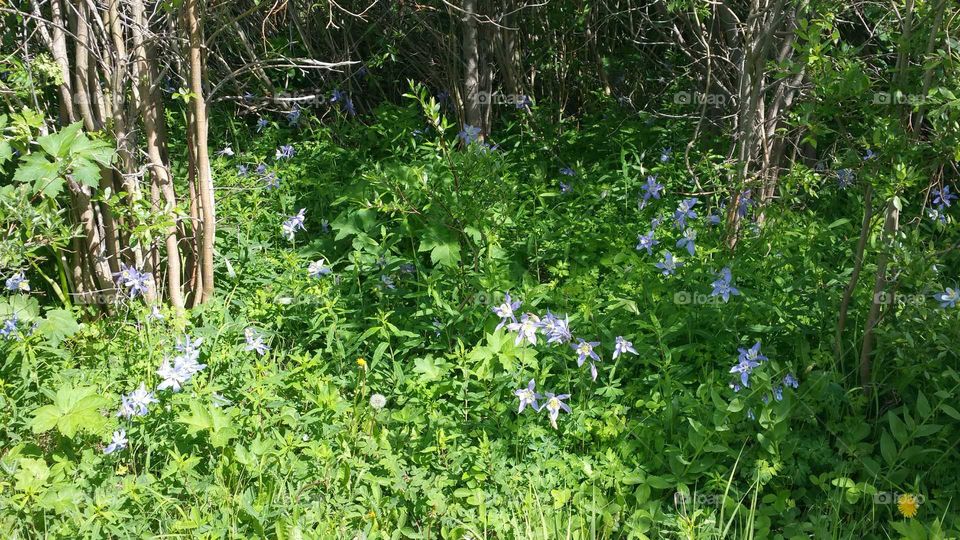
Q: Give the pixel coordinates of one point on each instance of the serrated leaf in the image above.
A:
(58, 325)
(6, 152)
(86, 172)
(58, 144)
(73, 410)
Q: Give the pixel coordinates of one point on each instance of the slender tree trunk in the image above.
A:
(204, 180)
(891, 225)
(857, 267)
(471, 65)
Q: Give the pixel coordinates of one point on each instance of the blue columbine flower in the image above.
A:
(294, 224)
(565, 188)
(9, 328)
(119, 442)
(948, 298)
(869, 155)
(506, 310)
(735, 386)
(623, 347)
(254, 342)
(318, 268)
(665, 154)
(293, 117)
(528, 396)
(560, 330)
(942, 197)
(568, 171)
(713, 219)
(845, 178)
(790, 381)
(744, 204)
(936, 215)
(133, 280)
(778, 393)
(585, 350)
(524, 102)
(669, 265)
(752, 354)
(285, 152)
(553, 406)
(189, 346)
(744, 367)
(526, 329)
(136, 403)
(270, 181)
(647, 241)
(261, 168)
(651, 189)
(18, 283)
(687, 240)
(261, 123)
(387, 281)
(227, 151)
(242, 170)
(684, 212)
(469, 134)
(723, 286)
(173, 374)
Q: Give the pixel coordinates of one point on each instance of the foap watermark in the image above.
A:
(697, 499)
(698, 98)
(893, 497)
(491, 98)
(886, 298)
(685, 298)
(898, 98)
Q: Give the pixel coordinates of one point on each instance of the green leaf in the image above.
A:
(211, 419)
(58, 144)
(73, 410)
(6, 153)
(888, 448)
(86, 172)
(447, 254)
(90, 149)
(58, 325)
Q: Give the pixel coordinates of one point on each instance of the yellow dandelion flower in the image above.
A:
(362, 363)
(371, 514)
(907, 504)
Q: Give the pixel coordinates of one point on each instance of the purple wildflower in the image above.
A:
(528, 396)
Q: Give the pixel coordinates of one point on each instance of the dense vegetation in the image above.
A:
(596, 286)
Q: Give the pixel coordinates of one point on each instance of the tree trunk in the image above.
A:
(199, 128)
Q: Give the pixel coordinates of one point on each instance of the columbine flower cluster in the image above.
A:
(134, 281)
(948, 298)
(18, 283)
(293, 224)
(747, 361)
(174, 374)
(185, 365)
(556, 330)
(553, 405)
(255, 342)
(940, 203)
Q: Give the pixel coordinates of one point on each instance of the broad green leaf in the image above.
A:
(58, 144)
(6, 153)
(86, 172)
(73, 410)
(58, 325)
